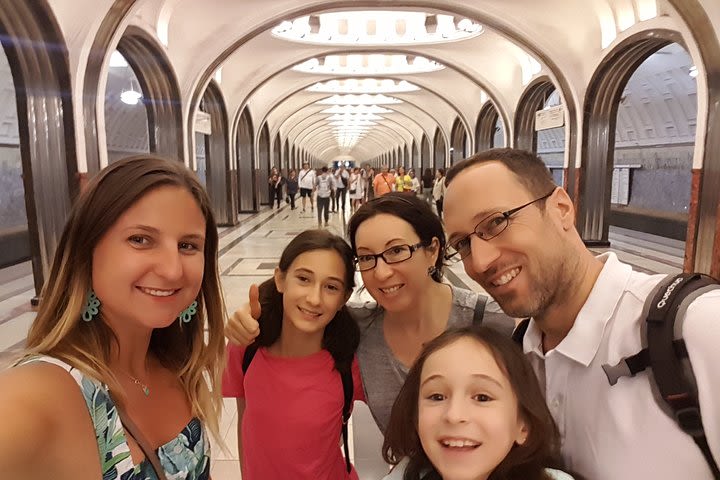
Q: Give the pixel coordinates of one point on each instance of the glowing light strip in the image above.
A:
(367, 85)
(363, 99)
(354, 117)
(341, 109)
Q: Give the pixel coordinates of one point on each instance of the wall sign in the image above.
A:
(550, 118)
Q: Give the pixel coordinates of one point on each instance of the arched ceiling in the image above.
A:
(520, 40)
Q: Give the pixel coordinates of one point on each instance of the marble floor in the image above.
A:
(248, 254)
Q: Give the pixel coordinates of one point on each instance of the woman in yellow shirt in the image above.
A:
(403, 182)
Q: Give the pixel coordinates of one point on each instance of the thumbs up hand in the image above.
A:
(243, 327)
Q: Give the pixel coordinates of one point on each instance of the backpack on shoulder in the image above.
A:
(348, 389)
(664, 353)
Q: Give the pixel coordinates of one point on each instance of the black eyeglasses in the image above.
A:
(488, 228)
(395, 254)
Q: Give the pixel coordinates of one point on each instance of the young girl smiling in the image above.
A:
(471, 408)
(294, 384)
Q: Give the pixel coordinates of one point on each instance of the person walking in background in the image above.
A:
(325, 186)
(369, 177)
(277, 182)
(384, 182)
(356, 188)
(342, 177)
(403, 182)
(292, 188)
(306, 182)
(271, 185)
(416, 187)
(438, 191)
(427, 185)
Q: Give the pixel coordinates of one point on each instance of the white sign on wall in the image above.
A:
(203, 123)
(550, 118)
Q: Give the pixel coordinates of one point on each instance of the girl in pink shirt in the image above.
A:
(290, 397)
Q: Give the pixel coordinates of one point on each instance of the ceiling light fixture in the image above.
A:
(373, 64)
(367, 85)
(354, 117)
(364, 99)
(377, 28)
(356, 109)
(132, 96)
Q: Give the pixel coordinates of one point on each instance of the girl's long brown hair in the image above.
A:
(58, 330)
(524, 462)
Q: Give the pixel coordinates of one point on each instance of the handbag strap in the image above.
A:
(142, 442)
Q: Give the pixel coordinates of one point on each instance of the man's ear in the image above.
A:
(279, 277)
(561, 202)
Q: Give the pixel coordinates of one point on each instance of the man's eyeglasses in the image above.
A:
(395, 254)
(489, 227)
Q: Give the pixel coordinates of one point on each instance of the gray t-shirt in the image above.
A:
(382, 374)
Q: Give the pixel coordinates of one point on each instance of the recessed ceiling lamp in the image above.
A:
(693, 71)
(354, 116)
(365, 85)
(364, 99)
(356, 109)
(350, 130)
(377, 28)
(352, 123)
(132, 96)
(370, 64)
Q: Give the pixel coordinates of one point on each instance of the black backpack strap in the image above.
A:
(673, 385)
(479, 312)
(519, 332)
(347, 384)
(249, 354)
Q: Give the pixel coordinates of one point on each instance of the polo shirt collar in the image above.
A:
(583, 340)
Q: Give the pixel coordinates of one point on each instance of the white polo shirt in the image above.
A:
(619, 432)
(306, 178)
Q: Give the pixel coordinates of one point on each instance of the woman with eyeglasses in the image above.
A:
(399, 245)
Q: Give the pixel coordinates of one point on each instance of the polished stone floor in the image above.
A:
(248, 254)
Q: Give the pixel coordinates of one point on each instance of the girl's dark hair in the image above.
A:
(524, 462)
(342, 335)
(410, 208)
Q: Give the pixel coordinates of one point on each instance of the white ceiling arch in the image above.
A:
(320, 128)
(481, 15)
(295, 119)
(286, 105)
(314, 116)
(274, 89)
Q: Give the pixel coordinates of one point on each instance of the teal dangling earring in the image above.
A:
(92, 307)
(187, 315)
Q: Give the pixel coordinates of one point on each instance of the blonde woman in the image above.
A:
(123, 362)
